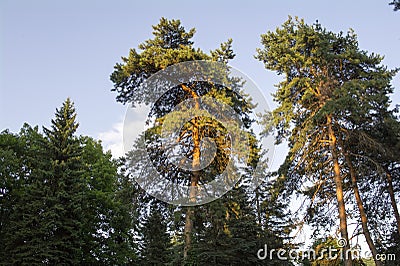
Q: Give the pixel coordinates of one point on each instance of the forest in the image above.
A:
(65, 200)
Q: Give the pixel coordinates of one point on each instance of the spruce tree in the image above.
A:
(155, 247)
(63, 198)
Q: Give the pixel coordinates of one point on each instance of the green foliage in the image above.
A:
(23, 229)
(326, 73)
(227, 232)
(333, 105)
(326, 252)
(155, 248)
(59, 199)
(171, 45)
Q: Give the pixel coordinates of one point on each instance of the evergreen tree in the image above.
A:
(65, 186)
(155, 248)
(229, 234)
(63, 198)
(330, 87)
(374, 155)
(171, 45)
(325, 252)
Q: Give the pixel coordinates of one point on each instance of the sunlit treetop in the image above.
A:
(170, 45)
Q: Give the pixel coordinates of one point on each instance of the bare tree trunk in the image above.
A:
(188, 231)
(363, 215)
(393, 200)
(194, 180)
(339, 193)
(192, 195)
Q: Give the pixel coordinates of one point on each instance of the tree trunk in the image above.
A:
(188, 232)
(194, 180)
(339, 194)
(363, 215)
(258, 206)
(393, 199)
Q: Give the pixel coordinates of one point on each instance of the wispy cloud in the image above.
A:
(113, 140)
(123, 133)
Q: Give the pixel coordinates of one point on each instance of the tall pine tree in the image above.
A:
(330, 86)
(172, 44)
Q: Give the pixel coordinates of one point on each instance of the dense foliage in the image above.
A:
(60, 198)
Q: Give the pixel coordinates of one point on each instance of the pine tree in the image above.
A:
(375, 160)
(171, 45)
(330, 86)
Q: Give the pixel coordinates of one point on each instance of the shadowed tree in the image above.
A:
(62, 202)
(155, 248)
(23, 168)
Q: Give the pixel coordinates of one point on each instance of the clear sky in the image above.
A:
(50, 50)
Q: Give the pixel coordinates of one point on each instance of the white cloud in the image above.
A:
(123, 133)
(112, 139)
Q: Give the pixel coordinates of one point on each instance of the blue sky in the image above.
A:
(51, 50)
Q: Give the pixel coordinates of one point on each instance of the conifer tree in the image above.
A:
(63, 202)
(330, 86)
(171, 45)
(155, 248)
(65, 198)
